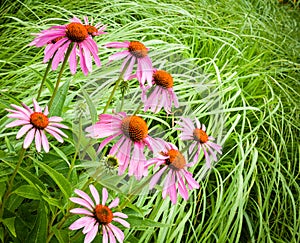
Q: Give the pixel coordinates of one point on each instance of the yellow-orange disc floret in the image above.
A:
(163, 78)
(91, 29)
(39, 120)
(137, 49)
(134, 128)
(76, 32)
(103, 214)
(200, 135)
(176, 160)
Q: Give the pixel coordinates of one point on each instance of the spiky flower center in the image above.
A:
(176, 160)
(200, 135)
(163, 78)
(91, 29)
(134, 128)
(76, 32)
(103, 214)
(137, 49)
(39, 120)
(112, 161)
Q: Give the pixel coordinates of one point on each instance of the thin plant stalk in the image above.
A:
(116, 86)
(44, 79)
(60, 74)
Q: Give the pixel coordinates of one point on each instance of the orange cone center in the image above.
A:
(176, 160)
(134, 128)
(91, 29)
(137, 49)
(200, 136)
(103, 214)
(39, 120)
(76, 32)
(163, 78)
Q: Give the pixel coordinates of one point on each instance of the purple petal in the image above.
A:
(81, 202)
(156, 177)
(28, 139)
(80, 223)
(95, 194)
(45, 142)
(122, 221)
(114, 203)
(17, 123)
(117, 232)
(81, 211)
(104, 196)
(23, 130)
(85, 196)
(90, 236)
(121, 215)
(38, 140)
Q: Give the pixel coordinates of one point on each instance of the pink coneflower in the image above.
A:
(35, 123)
(58, 40)
(162, 94)
(93, 30)
(132, 132)
(201, 141)
(98, 215)
(174, 165)
(136, 52)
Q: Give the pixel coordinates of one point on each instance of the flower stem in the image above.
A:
(77, 147)
(116, 86)
(10, 183)
(60, 73)
(137, 109)
(44, 79)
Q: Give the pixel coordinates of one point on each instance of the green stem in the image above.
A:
(60, 73)
(137, 109)
(136, 190)
(44, 79)
(10, 183)
(77, 147)
(116, 86)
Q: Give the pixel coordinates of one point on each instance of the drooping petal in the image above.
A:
(38, 140)
(28, 139)
(45, 142)
(81, 211)
(90, 236)
(80, 223)
(23, 130)
(85, 197)
(114, 203)
(104, 196)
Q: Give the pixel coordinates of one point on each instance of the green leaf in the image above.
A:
(39, 231)
(60, 180)
(61, 235)
(10, 225)
(59, 100)
(61, 154)
(91, 106)
(139, 222)
(53, 202)
(28, 191)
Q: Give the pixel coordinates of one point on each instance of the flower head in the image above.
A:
(175, 166)
(162, 94)
(201, 141)
(59, 38)
(98, 215)
(136, 53)
(132, 132)
(35, 124)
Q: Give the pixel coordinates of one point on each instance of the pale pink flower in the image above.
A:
(162, 94)
(132, 132)
(136, 53)
(98, 215)
(58, 39)
(35, 124)
(201, 141)
(173, 167)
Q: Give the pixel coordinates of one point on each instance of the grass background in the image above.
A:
(237, 68)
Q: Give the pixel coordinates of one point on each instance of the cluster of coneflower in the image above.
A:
(74, 42)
